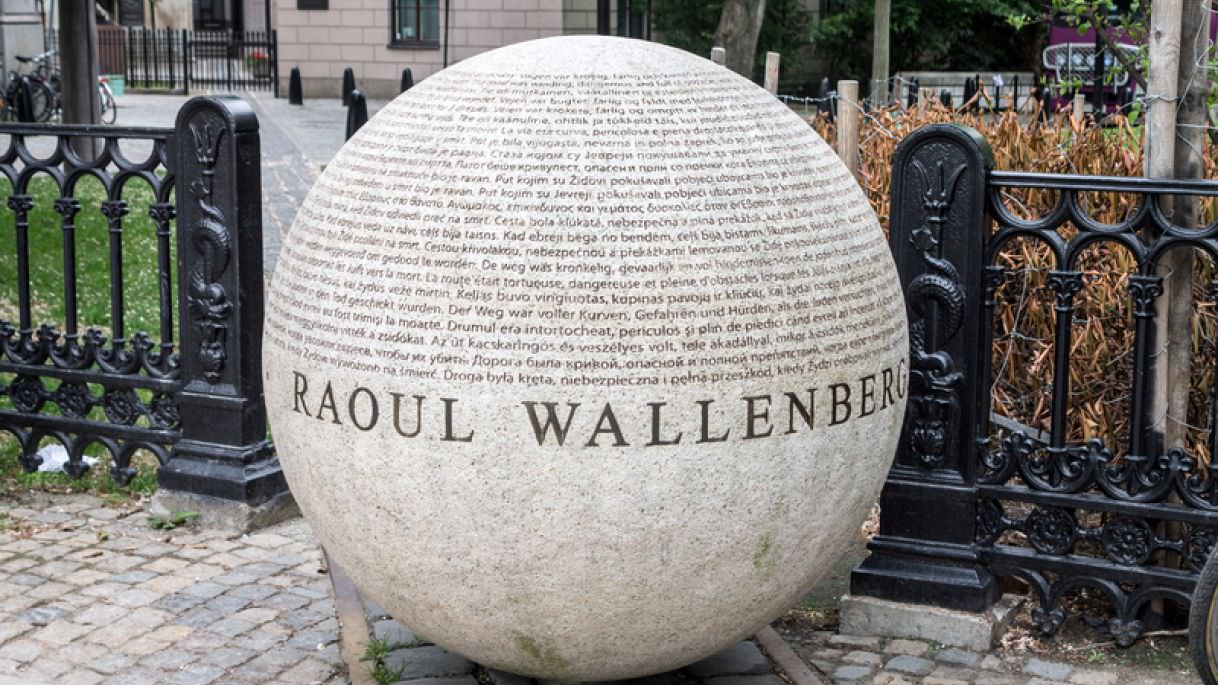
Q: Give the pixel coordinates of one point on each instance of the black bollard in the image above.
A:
(25, 101)
(348, 85)
(295, 92)
(407, 80)
(911, 100)
(357, 112)
(945, 98)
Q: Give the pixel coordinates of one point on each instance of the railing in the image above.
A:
(190, 392)
(179, 59)
(973, 497)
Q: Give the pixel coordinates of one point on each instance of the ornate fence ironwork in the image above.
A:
(189, 393)
(962, 477)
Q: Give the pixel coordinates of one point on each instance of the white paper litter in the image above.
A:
(55, 456)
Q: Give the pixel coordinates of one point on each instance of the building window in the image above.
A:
(414, 23)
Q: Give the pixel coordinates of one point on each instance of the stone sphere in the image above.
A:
(585, 358)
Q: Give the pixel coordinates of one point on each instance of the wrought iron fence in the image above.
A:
(179, 59)
(973, 498)
(189, 392)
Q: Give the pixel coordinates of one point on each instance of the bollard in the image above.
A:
(357, 112)
(945, 98)
(407, 80)
(848, 125)
(348, 85)
(295, 92)
(719, 55)
(911, 98)
(771, 72)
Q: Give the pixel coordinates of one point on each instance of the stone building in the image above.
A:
(380, 38)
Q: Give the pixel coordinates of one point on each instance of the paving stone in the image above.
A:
(227, 604)
(906, 647)
(256, 615)
(285, 601)
(177, 602)
(61, 632)
(428, 662)
(26, 579)
(936, 680)
(254, 592)
(743, 658)
(198, 674)
(229, 656)
(261, 639)
(199, 617)
(230, 627)
(23, 650)
(169, 659)
(855, 641)
(164, 585)
(958, 657)
(41, 616)
(851, 672)
(135, 597)
(309, 670)
(142, 646)
(133, 577)
(992, 663)
(890, 678)
(394, 633)
(234, 578)
(910, 664)
(1049, 670)
(79, 677)
(111, 663)
(862, 658)
(205, 590)
(316, 639)
(164, 564)
(998, 679)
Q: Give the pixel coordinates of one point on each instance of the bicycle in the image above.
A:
(44, 97)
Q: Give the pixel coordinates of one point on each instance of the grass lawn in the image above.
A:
(141, 306)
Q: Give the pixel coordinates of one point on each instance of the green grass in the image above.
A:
(141, 304)
(374, 655)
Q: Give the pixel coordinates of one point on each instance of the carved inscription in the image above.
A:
(567, 233)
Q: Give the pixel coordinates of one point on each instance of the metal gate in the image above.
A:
(181, 60)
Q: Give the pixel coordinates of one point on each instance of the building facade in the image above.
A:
(380, 38)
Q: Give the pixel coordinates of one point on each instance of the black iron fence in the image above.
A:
(972, 497)
(178, 59)
(188, 392)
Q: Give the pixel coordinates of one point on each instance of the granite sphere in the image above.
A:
(585, 358)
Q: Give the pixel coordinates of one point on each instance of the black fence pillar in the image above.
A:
(924, 552)
(223, 467)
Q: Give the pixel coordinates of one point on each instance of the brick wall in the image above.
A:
(355, 33)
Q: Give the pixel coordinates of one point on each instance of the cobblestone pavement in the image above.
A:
(91, 594)
(859, 660)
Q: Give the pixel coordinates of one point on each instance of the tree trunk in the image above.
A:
(739, 26)
(1193, 88)
(79, 63)
(879, 53)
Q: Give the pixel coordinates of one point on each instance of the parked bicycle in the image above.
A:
(45, 101)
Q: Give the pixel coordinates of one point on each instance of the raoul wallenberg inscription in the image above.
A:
(585, 358)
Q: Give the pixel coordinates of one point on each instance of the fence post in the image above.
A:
(718, 55)
(274, 45)
(186, 74)
(771, 72)
(223, 467)
(848, 124)
(1079, 112)
(924, 553)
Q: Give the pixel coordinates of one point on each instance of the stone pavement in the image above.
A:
(864, 660)
(91, 594)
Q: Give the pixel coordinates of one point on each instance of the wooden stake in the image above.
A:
(848, 124)
(718, 55)
(1078, 115)
(771, 72)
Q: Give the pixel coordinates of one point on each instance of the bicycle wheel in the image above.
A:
(44, 100)
(109, 110)
(1203, 623)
